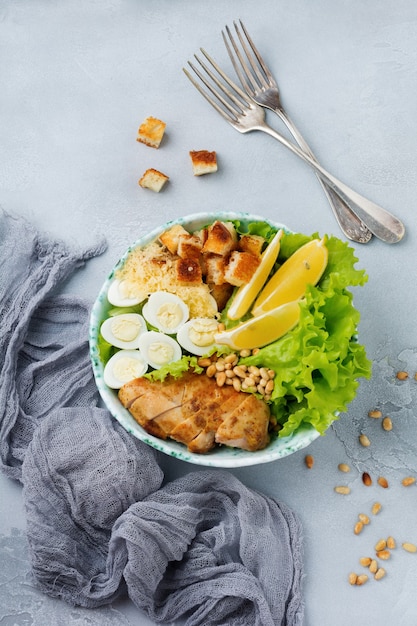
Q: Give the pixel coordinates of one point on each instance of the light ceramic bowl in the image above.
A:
(220, 456)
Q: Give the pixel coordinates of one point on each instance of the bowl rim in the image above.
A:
(223, 456)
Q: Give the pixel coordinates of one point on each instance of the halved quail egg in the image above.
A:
(159, 349)
(124, 293)
(166, 312)
(197, 335)
(124, 366)
(123, 331)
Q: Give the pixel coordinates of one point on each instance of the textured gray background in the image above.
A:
(77, 79)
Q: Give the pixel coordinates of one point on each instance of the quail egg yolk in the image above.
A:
(202, 332)
(125, 329)
(169, 315)
(126, 369)
(160, 352)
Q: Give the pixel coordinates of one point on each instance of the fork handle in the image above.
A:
(380, 222)
(348, 221)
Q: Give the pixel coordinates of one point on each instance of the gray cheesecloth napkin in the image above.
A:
(102, 520)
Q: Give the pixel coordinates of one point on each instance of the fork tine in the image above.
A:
(204, 93)
(255, 67)
(243, 77)
(229, 112)
(260, 60)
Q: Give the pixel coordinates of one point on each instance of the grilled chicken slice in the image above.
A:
(195, 411)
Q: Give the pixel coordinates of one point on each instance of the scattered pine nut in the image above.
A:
(365, 561)
(402, 375)
(373, 566)
(380, 545)
(358, 528)
(387, 423)
(376, 507)
(380, 573)
(391, 543)
(366, 479)
(309, 461)
(376, 413)
(382, 482)
(408, 480)
(344, 467)
(362, 579)
(364, 519)
(342, 489)
(364, 440)
(384, 555)
(353, 578)
(409, 547)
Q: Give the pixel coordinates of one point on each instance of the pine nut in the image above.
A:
(309, 461)
(382, 482)
(408, 480)
(376, 507)
(376, 413)
(353, 578)
(387, 423)
(260, 389)
(384, 554)
(220, 366)
(204, 362)
(211, 370)
(264, 373)
(231, 358)
(221, 378)
(364, 441)
(380, 573)
(269, 386)
(409, 547)
(344, 467)
(402, 375)
(364, 519)
(255, 351)
(358, 528)
(361, 579)
(240, 371)
(244, 353)
(254, 371)
(391, 543)
(365, 561)
(271, 374)
(236, 384)
(373, 566)
(380, 545)
(366, 479)
(343, 490)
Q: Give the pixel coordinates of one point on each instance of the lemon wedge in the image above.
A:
(246, 294)
(304, 267)
(261, 330)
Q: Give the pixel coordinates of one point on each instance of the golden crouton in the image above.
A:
(189, 246)
(214, 267)
(151, 132)
(221, 294)
(221, 238)
(252, 244)
(188, 272)
(203, 162)
(170, 238)
(241, 267)
(154, 180)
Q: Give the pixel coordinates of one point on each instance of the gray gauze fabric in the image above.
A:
(40, 340)
(101, 522)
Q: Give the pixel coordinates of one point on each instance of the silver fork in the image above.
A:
(245, 115)
(259, 84)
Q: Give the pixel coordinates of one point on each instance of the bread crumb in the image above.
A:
(151, 132)
(203, 162)
(154, 180)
